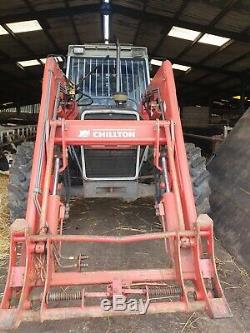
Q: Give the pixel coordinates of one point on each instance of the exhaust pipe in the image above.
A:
(119, 97)
(118, 66)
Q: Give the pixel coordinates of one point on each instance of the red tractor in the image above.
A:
(102, 128)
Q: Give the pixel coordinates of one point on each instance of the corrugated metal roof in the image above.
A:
(145, 22)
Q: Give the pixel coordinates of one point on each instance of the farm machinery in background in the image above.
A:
(102, 127)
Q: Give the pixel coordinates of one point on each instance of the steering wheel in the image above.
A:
(87, 98)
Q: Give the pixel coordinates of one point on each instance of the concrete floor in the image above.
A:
(118, 218)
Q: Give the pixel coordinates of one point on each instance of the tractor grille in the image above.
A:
(110, 163)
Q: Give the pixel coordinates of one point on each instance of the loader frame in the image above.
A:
(188, 239)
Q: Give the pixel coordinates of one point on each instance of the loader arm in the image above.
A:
(192, 279)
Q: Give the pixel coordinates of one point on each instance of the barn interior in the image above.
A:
(208, 44)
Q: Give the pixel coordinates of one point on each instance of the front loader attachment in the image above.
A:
(43, 284)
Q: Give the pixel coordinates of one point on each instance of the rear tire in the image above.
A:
(19, 180)
(199, 177)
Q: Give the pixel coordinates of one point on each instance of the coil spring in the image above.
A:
(164, 291)
(56, 296)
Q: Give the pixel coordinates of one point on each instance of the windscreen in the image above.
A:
(101, 82)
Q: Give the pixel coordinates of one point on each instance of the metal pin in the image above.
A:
(165, 173)
(57, 164)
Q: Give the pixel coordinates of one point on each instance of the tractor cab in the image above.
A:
(110, 80)
(94, 70)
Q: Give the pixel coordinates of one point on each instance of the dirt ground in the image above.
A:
(118, 218)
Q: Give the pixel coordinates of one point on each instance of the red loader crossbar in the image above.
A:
(37, 275)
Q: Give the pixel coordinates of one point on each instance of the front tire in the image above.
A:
(19, 180)
(199, 177)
